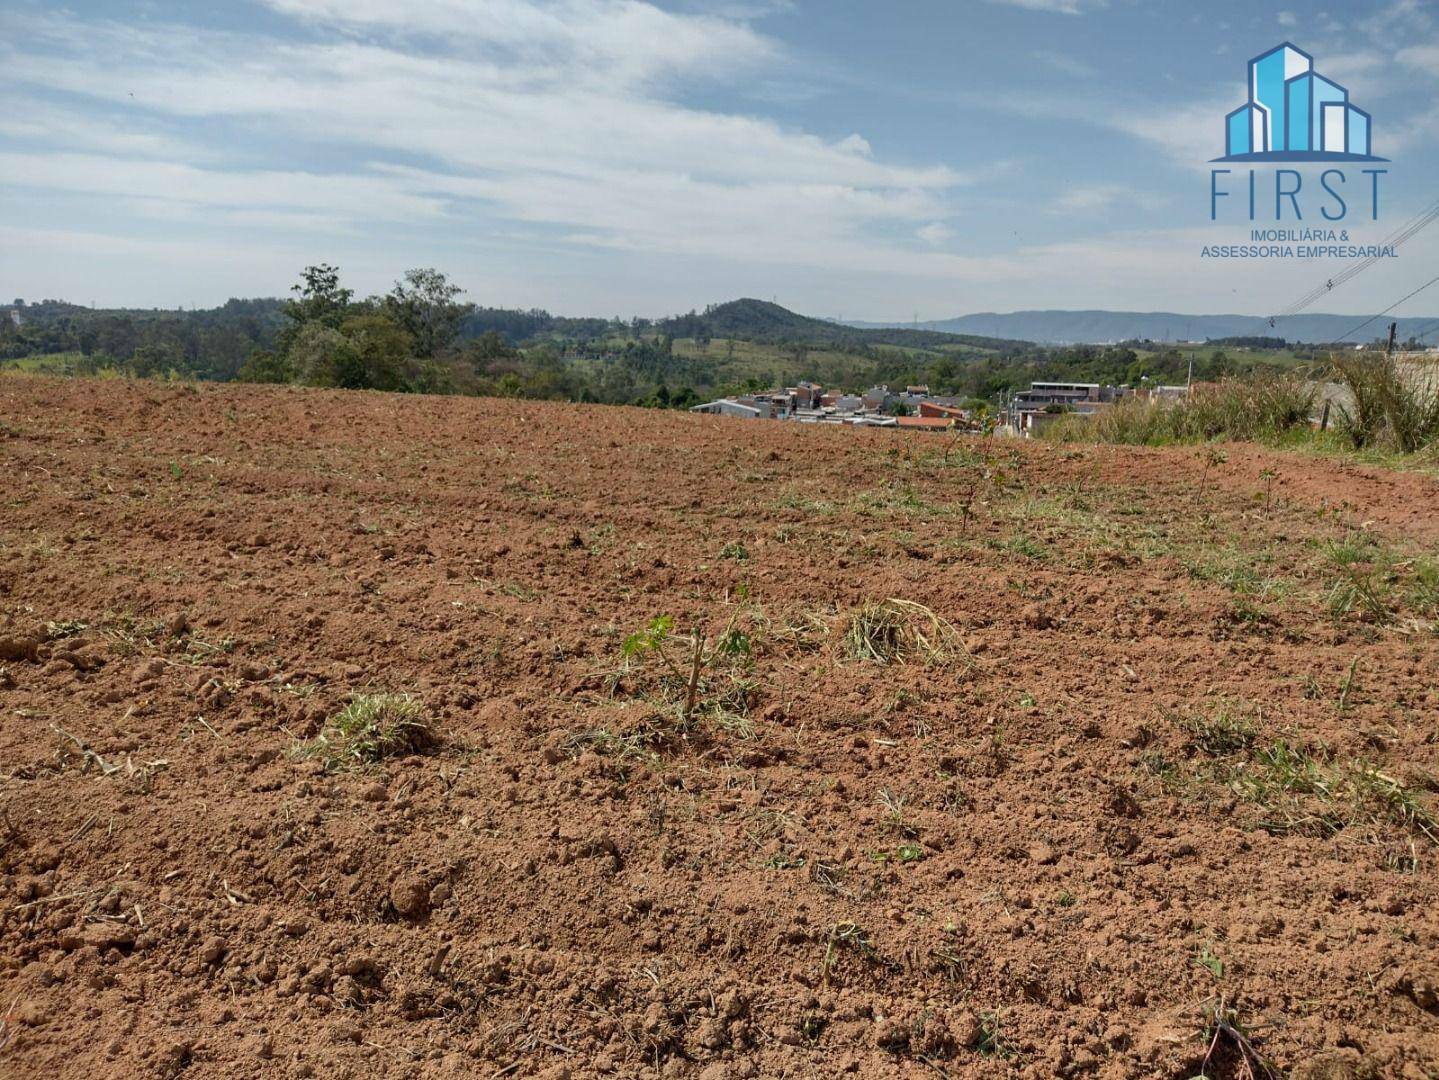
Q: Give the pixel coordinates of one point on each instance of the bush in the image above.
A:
(1390, 408)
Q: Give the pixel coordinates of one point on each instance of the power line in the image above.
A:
(1387, 310)
(1405, 232)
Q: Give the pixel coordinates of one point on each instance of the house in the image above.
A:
(734, 407)
(876, 398)
(808, 395)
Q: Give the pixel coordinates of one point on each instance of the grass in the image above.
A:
(1221, 732)
(625, 748)
(895, 631)
(369, 729)
(1259, 407)
(1299, 787)
(1375, 584)
(1230, 1049)
(1391, 406)
(992, 1041)
(1296, 786)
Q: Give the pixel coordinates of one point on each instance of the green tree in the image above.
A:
(382, 350)
(491, 345)
(320, 297)
(265, 366)
(322, 356)
(424, 304)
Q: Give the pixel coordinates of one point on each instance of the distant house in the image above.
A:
(808, 395)
(731, 407)
(876, 398)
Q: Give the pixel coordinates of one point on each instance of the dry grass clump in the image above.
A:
(370, 728)
(894, 631)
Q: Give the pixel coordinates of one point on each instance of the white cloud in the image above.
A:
(1287, 19)
(1060, 7)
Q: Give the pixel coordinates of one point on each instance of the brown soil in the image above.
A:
(1058, 844)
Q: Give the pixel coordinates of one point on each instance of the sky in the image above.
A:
(883, 160)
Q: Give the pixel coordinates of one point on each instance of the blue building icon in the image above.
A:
(1295, 114)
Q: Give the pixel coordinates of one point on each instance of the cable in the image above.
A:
(1387, 310)
(1422, 334)
(1416, 224)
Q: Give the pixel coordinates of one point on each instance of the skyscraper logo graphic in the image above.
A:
(1295, 114)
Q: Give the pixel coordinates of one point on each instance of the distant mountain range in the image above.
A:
(1094, 327)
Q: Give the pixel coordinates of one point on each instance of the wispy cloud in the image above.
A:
(545, 114)
(1060, 7)
(1094, 200)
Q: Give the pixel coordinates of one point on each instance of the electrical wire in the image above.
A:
(1407, 231)
(1387, 310)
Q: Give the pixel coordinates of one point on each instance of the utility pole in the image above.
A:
(1393, 333)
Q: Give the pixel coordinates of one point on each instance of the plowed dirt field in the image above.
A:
(705, 748)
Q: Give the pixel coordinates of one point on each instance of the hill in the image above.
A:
(1071, 327)
(748, 319)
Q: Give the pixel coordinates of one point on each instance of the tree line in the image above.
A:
(421, 337)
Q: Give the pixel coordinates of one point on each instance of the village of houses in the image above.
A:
(915, 408)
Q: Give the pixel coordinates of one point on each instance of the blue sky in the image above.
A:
(859, 159)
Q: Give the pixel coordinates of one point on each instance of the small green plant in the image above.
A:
(370, 728)
(910, 852)
(736, 551)
(1205, 957)
(992, 1042)
(685, 657)
(845, 937)
(1230, 1047)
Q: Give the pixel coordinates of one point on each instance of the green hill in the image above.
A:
(748, 319)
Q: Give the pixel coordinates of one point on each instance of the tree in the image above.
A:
(424, 305)
(264, 366)
(382, 350)
(322, 356)
(149, 360)
(491, 345)
(321, 297)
